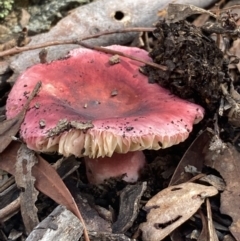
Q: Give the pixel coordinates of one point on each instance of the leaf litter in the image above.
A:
(218, 99)
(42, 175)
(227, 163)
(171, 207)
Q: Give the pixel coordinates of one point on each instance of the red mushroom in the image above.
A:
(90, 107)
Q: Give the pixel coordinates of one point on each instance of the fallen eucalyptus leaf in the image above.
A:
(192, 157)
(171, 207)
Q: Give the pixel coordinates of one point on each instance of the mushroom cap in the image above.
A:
(88, 106)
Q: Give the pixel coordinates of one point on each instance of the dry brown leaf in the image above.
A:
(172, 207)
(9, 128)
(228, 165)
(192, 157)
(26, 159)
(49, 182)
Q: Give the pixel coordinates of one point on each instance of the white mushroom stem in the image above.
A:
(129, 165)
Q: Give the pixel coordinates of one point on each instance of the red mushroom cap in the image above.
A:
(90, 107)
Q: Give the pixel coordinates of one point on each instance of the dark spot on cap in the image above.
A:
(129, 128)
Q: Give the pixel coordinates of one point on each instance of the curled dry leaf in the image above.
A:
(171, 207)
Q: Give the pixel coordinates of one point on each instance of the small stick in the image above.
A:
(110, 51)
(17, 50)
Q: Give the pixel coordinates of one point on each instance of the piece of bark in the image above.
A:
(96, 17)
(92, 219)
(129, 205)
(60, 225)
(101, 236)
(26, 160)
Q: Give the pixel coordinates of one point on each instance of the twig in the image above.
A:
(110, 51)
(226, 8)
(98, 48)
(17, 50)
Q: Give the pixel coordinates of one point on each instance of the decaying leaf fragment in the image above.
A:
(171, 207)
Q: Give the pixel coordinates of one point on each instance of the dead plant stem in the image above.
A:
(110, 51)
(17, 50)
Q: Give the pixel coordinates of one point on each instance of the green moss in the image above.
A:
(5, 7)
